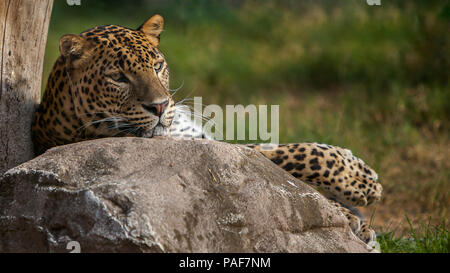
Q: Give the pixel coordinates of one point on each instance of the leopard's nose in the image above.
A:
(156, 109)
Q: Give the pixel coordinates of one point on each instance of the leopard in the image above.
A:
(113, 81)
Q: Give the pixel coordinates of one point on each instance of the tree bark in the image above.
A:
(23, 35)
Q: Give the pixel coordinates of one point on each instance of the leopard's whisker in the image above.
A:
(115, 120)
(194, 114)
(176, 89)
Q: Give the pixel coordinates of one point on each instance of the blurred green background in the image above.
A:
(373, 79)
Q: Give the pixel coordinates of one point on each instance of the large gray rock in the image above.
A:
(164, 195)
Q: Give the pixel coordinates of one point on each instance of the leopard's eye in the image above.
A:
(119, 77)
(158, 66)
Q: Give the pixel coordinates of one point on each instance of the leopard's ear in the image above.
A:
(153, 28)
(75, 49)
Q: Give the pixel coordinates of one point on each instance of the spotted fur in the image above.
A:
(336, 170)
(108, 81)
(114, 81)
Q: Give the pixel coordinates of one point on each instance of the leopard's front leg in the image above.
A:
(336, 171)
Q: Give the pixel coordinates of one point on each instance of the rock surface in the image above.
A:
(164, 195)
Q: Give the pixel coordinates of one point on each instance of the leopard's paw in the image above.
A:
(359, 227)
(366, 234)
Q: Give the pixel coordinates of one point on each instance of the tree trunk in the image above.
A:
(23, 35)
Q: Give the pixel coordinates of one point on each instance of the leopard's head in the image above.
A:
(108, 81)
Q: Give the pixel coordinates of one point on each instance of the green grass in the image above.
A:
(429, 239)
(371, 79)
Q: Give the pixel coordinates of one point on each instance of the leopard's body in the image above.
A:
(114, 81)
